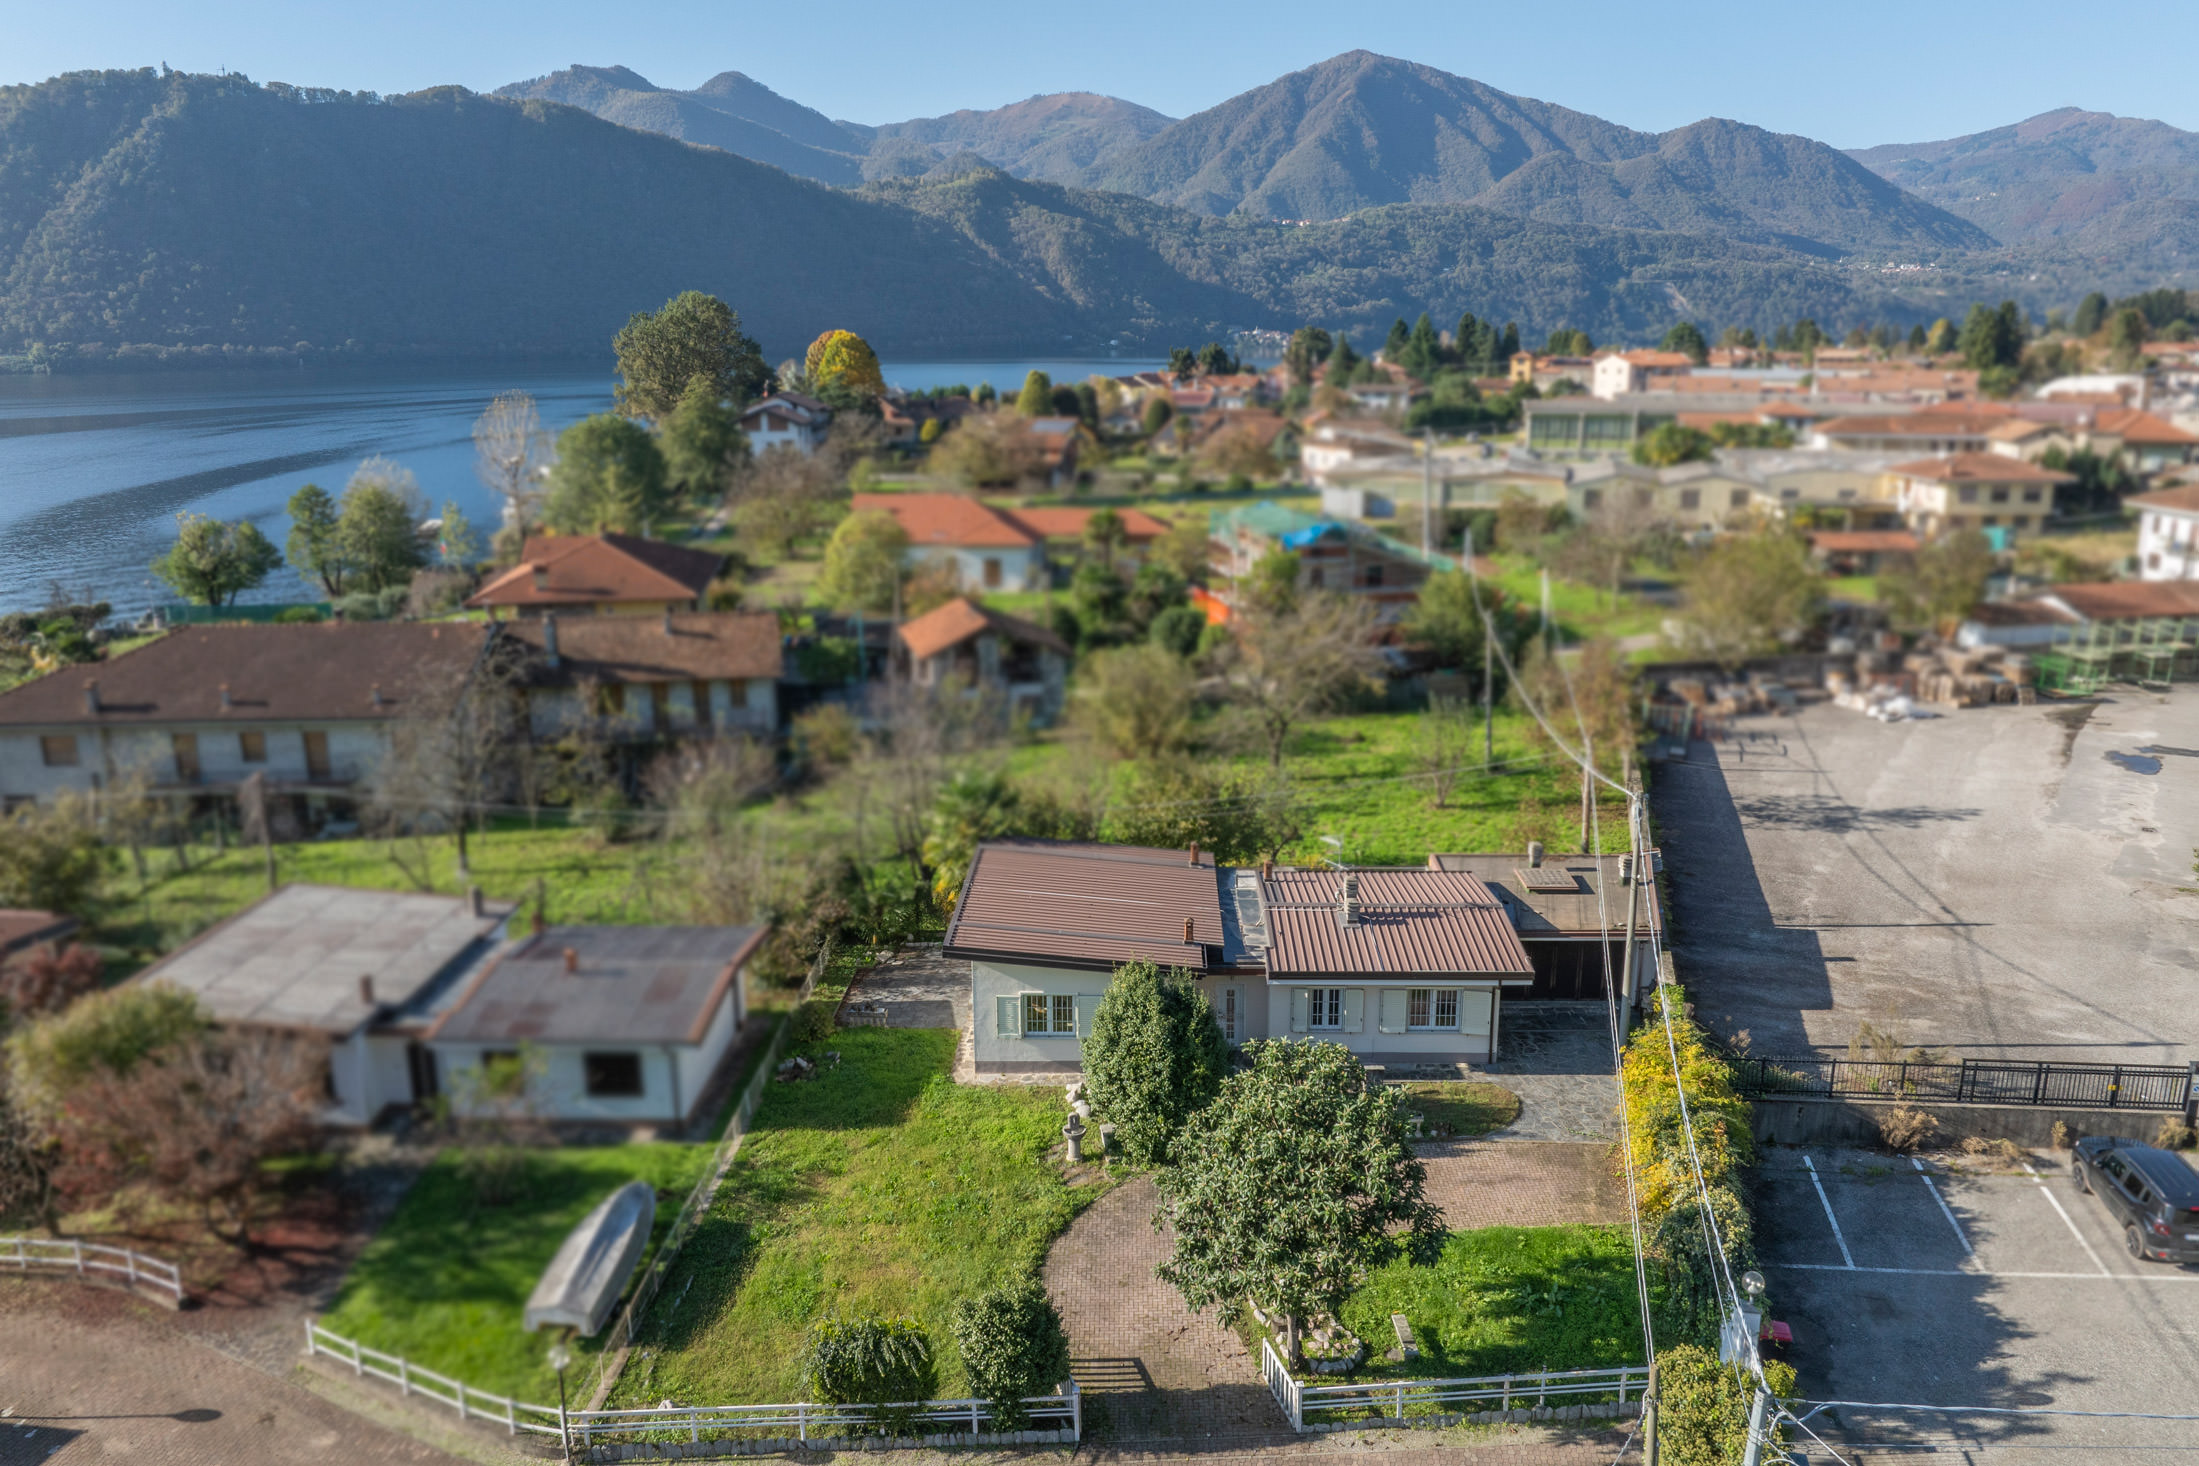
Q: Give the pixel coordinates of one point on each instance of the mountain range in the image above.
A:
(176, 214)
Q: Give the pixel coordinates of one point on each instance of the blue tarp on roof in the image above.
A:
(1298, 539)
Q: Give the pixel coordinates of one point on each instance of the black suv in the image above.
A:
(2151, 1192)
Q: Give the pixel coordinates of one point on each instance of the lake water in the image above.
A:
(94, 470)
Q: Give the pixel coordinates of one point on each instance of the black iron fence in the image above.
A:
(1973, 1082)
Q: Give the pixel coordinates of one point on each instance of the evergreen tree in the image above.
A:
(1309, 347)
(1154, 1058)
(1393, 346)
(1687, 338)
(2091, 315)
(701, 441)
(609, 478)
(695, 335)
(1917, 337)
(312, 545)
(378, 529)
(1037, 397)
(1508, 343)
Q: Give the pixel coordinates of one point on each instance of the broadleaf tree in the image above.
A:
(1292, 1185)
(313, 547)
(1155, 1058)
(378, 528)
(661, 353)
(211, 561)
(609, 478)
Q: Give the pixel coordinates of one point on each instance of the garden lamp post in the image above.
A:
(561, 1356)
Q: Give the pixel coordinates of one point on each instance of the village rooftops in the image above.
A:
(1995, 468)
(2125, 600)
(947, 519)
(675, 647)
(1863, 541)
(1393, 922)
(2183, 499)
(335, 672)
(1558, 898)
(2141, 429)
(946, 627)
(589, 570)
(327, 959)
(610, 984)
(1061, 523)
(1094, 907)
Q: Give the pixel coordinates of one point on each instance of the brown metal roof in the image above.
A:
(20, 928)
(1094, 906)
(699, 646)
(630, 984)
(1407, 922)
(1547, 914)
(334, 672)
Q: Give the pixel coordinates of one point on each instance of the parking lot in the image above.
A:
(2003, 881)
(1968, 1283)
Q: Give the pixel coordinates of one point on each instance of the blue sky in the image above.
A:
(1850, 74)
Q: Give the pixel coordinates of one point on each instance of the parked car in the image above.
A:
(2149, 1190)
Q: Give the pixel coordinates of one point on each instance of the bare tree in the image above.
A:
(1138, 701)
(1288, 665)
(448, 760)
(493, 1115)
(510, 450)
(915, 735)
(1602, 547)
(721, 856)
(1445, 743)
(782, 494)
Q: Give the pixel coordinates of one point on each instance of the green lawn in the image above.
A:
(1461, 1108)
(1863, 588)
(880, 1186)
(1584, 612)
(445, 1281)
(1501, 1300)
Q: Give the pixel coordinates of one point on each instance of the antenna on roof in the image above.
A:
(1338, 846)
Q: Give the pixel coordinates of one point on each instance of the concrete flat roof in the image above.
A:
(624, 984)
(295, 959)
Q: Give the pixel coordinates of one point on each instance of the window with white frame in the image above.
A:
(1431, 1009)
(1050, 1014)
(1326, 1009)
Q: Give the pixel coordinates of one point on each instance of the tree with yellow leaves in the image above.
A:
(845, 360)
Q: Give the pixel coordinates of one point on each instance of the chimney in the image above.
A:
(1187, 929)
(572, 959)
(1534, 854)
(541, 576)
(226, 703)
(473, 900)
(91, 695)
(366, 989)
(1267, 870)
(549, 637)
(1347, 906)
(1194, 855)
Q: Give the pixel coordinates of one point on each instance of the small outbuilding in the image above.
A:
(631, 1022)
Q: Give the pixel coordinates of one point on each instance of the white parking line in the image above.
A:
(1845, 1255)
(2067, 1220)
(1970, 1272)
(1944, 1210)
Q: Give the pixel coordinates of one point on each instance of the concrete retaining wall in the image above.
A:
(703, 1450)
(1855, 1122)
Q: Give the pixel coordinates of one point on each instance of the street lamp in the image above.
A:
(560, 1357)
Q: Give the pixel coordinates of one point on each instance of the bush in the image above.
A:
(298, 616)
(105, 1033)
(1703, 1409)
(868, 1361)
(1178, 629)
(1154, 1058)
(2174, 1134)
(813, 1022)
(1905, 1127)
(1013, 1346)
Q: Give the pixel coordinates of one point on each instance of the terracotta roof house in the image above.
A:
(785, 420)
(985, 548)
(1618, 373)
(1860, 551)
(2168, 533)
(1024, 664)
(612, 573)
(365, 971)
(1058, 440)
(1934, 430)
(695, 674)
(1983, 491)
(202, 708)
(1334, 555)
(1404, 966)
(632, 1023)
(2146, 441)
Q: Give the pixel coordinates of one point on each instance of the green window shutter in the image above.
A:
(1301, 1010)
(1008, 1015)
(1087, 1010)
(1355, 1010)
(1393, 1011)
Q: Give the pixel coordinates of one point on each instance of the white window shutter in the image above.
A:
(1301, 1006)
(1087, 1010)
(1392, 1018)
(1008, 1019)
(1474, 1007)
(1355, 1010)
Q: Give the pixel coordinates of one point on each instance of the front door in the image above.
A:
(1228, 1011)
(420, 1063)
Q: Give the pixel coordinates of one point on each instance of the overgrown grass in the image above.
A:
(1501, 1300)
(1859, 588)
(878, 1187)
(446, 1280)
(1460, 1108)
(1584, 612)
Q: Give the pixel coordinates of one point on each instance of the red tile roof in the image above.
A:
(948, 520)
(337, 671)
(1993, 468)
(1409, 922)
(1970, 422)
(2183, 499)
(960, 619)
(2134, 426)
(1068, 524)
(600, 569)
(1087, 906)
(2128, 600)
(701, 646)
(1864, 541)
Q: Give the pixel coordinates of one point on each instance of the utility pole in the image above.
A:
(1637, 868)
(1488, 665)
(1427, 491)
(1649, 1418)
(1754, 1456)
(1549, 622)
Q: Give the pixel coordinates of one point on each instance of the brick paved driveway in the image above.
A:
(1522, 1183)
(87, 1374)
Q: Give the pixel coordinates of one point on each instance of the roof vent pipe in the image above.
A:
(1194, 853)
(541, 576)
(473, 900)
(1187, 928)
(1534, 854)
(91, 695)
(549, 637)
(572, 960)
(366, 988)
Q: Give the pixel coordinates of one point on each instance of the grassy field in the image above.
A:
(446, 1280)
(1461, 1108)
(1859, 588)
(1505, 1299)
(1584, 612)
(880, 1186)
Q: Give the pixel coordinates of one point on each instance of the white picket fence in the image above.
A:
(1388, 1399)
(584, 1428)
(40, 1254)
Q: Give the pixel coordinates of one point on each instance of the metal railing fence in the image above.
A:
(1971, 1081)
(40, 1254)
